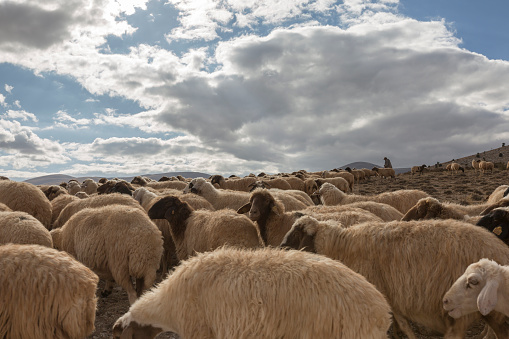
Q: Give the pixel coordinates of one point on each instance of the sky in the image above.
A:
(131, 87)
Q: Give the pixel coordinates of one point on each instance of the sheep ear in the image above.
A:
(244, 209)
(487, 299)
(411, 214)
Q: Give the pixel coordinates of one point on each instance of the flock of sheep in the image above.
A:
(295, 255)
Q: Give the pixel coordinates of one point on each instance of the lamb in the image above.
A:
(497, 222)
(46, 294)
(89, 186)
(117, 242)
(22, 228)
(485, 166)
(242, 184)
(416, 252)
(273, 222)
(25, 197)
(385, 172)
(483, 287)
(199, 231)
(402, 200)
(265, 293)
(94, 201)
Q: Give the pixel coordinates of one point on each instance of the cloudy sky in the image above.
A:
(128, 87)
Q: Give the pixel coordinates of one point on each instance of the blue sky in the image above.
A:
(107, 88)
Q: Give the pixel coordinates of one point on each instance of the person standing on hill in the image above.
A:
(387, 163)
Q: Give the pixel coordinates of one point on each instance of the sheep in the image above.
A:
(178, 185)
(46, 294)
(455, 167)
(357, 174)
(4, 208)
(242, 184)
(59, 203)
(483, 287)
(417, 169)
(383, 211)
(385, 172)
(273, 222)
(497, 194)
(115, 186)
(117, 242)
(199, 230)
(22, 228)
(497, 222)
(349, 177)
(53, 191)
(295, 183)
(402, 200)
(283, 194)
(26, 197)
(141, 181)
(93, 201)
(339, 182)
(485, 166)
(368, 173)
(73, 187)
(265, 293)
(89, 186)
(431, 208)
(475, 165)
(402, 258)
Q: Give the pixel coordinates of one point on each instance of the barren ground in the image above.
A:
(463, 188)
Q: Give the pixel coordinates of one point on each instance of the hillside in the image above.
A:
(491, 155)
(368, 165)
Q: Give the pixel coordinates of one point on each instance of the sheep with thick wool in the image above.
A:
(178, 185)
(402, 200)
(200, 230)
(384, 172)
(497, 222)
(273, 222)
(412, 263)
(94, 201)
(117, 242)
(89, 186)
(339, 182)
(383, 211)
(484, 287)
(53, 191)
(26, 197)
(242, 184)
(46, 294)
(59, 203)
(73, 187)
(498, 193)
(485, 166)
(22, 228)
(266, 293)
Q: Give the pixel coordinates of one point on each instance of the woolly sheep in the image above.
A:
(402, 258)
(339, 182)
(455, 167)
(89, 186)
(267, 293)
(22, 228)
(93, 201)
(53, 191)
(59, 203)
(498, 193)
(46, 294)
(431, 208)
(273, 222)
(73, 187)
(402, 200)
(343, 174)
(178, 185)
(242, 184)
(483, 287)
(383, 211)
(281, 194)
(417, 169)
(199, 231)
(4, 208)
(385, 172)
(475, 164)
(485, 166)
(295, 183)
(26, 197)
(117, 242)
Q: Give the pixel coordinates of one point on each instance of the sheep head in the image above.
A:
(195, 186)
(217, 179)
(475, 290)
(501, 203)
(497, 222)
(174, 210)
(138, 180)
(427, 208)
(302, 235)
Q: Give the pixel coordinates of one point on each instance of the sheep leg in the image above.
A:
(497, 322)
(402, 323)
(108, 288)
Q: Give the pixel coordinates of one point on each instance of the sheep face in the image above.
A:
(217, 179)
(174, 210)
(259, 206)
(497, 222)
(424, 209)
(299, 238)
(194, 186)
(121, 187)
(473, 291)
(134, 330)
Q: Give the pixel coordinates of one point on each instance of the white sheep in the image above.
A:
(498, 193)
(412, 263)
(94, 201)
(383, 211)
(485, 166)
(26, 197)
(475, 165)
(22, 228)
(199, 231)
(484, 287)
(266, 293)
(117, 242)
(339, 182)
(455, 167)
(73, 187)
(242, 184)
(385, 172)
(402, 200)
(59, 203)
(89, 186)
(46, 294)
(431, 208)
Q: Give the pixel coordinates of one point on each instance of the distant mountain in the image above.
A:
(368, 165)
(56, 179)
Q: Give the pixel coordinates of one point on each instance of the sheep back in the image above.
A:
(22, 228)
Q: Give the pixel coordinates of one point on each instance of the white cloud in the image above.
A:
(23, 115)
(2, 100)
(65, 120)
(8, 88)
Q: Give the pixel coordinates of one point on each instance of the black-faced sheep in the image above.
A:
(45, 294)
(497, 222)
(25, 197)
(53, 191)
(93, 201)
(402, 258)
(267, 293)
(117, 242)
(200, 231)
(22, 228)
(402, 200)
(483, 287)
